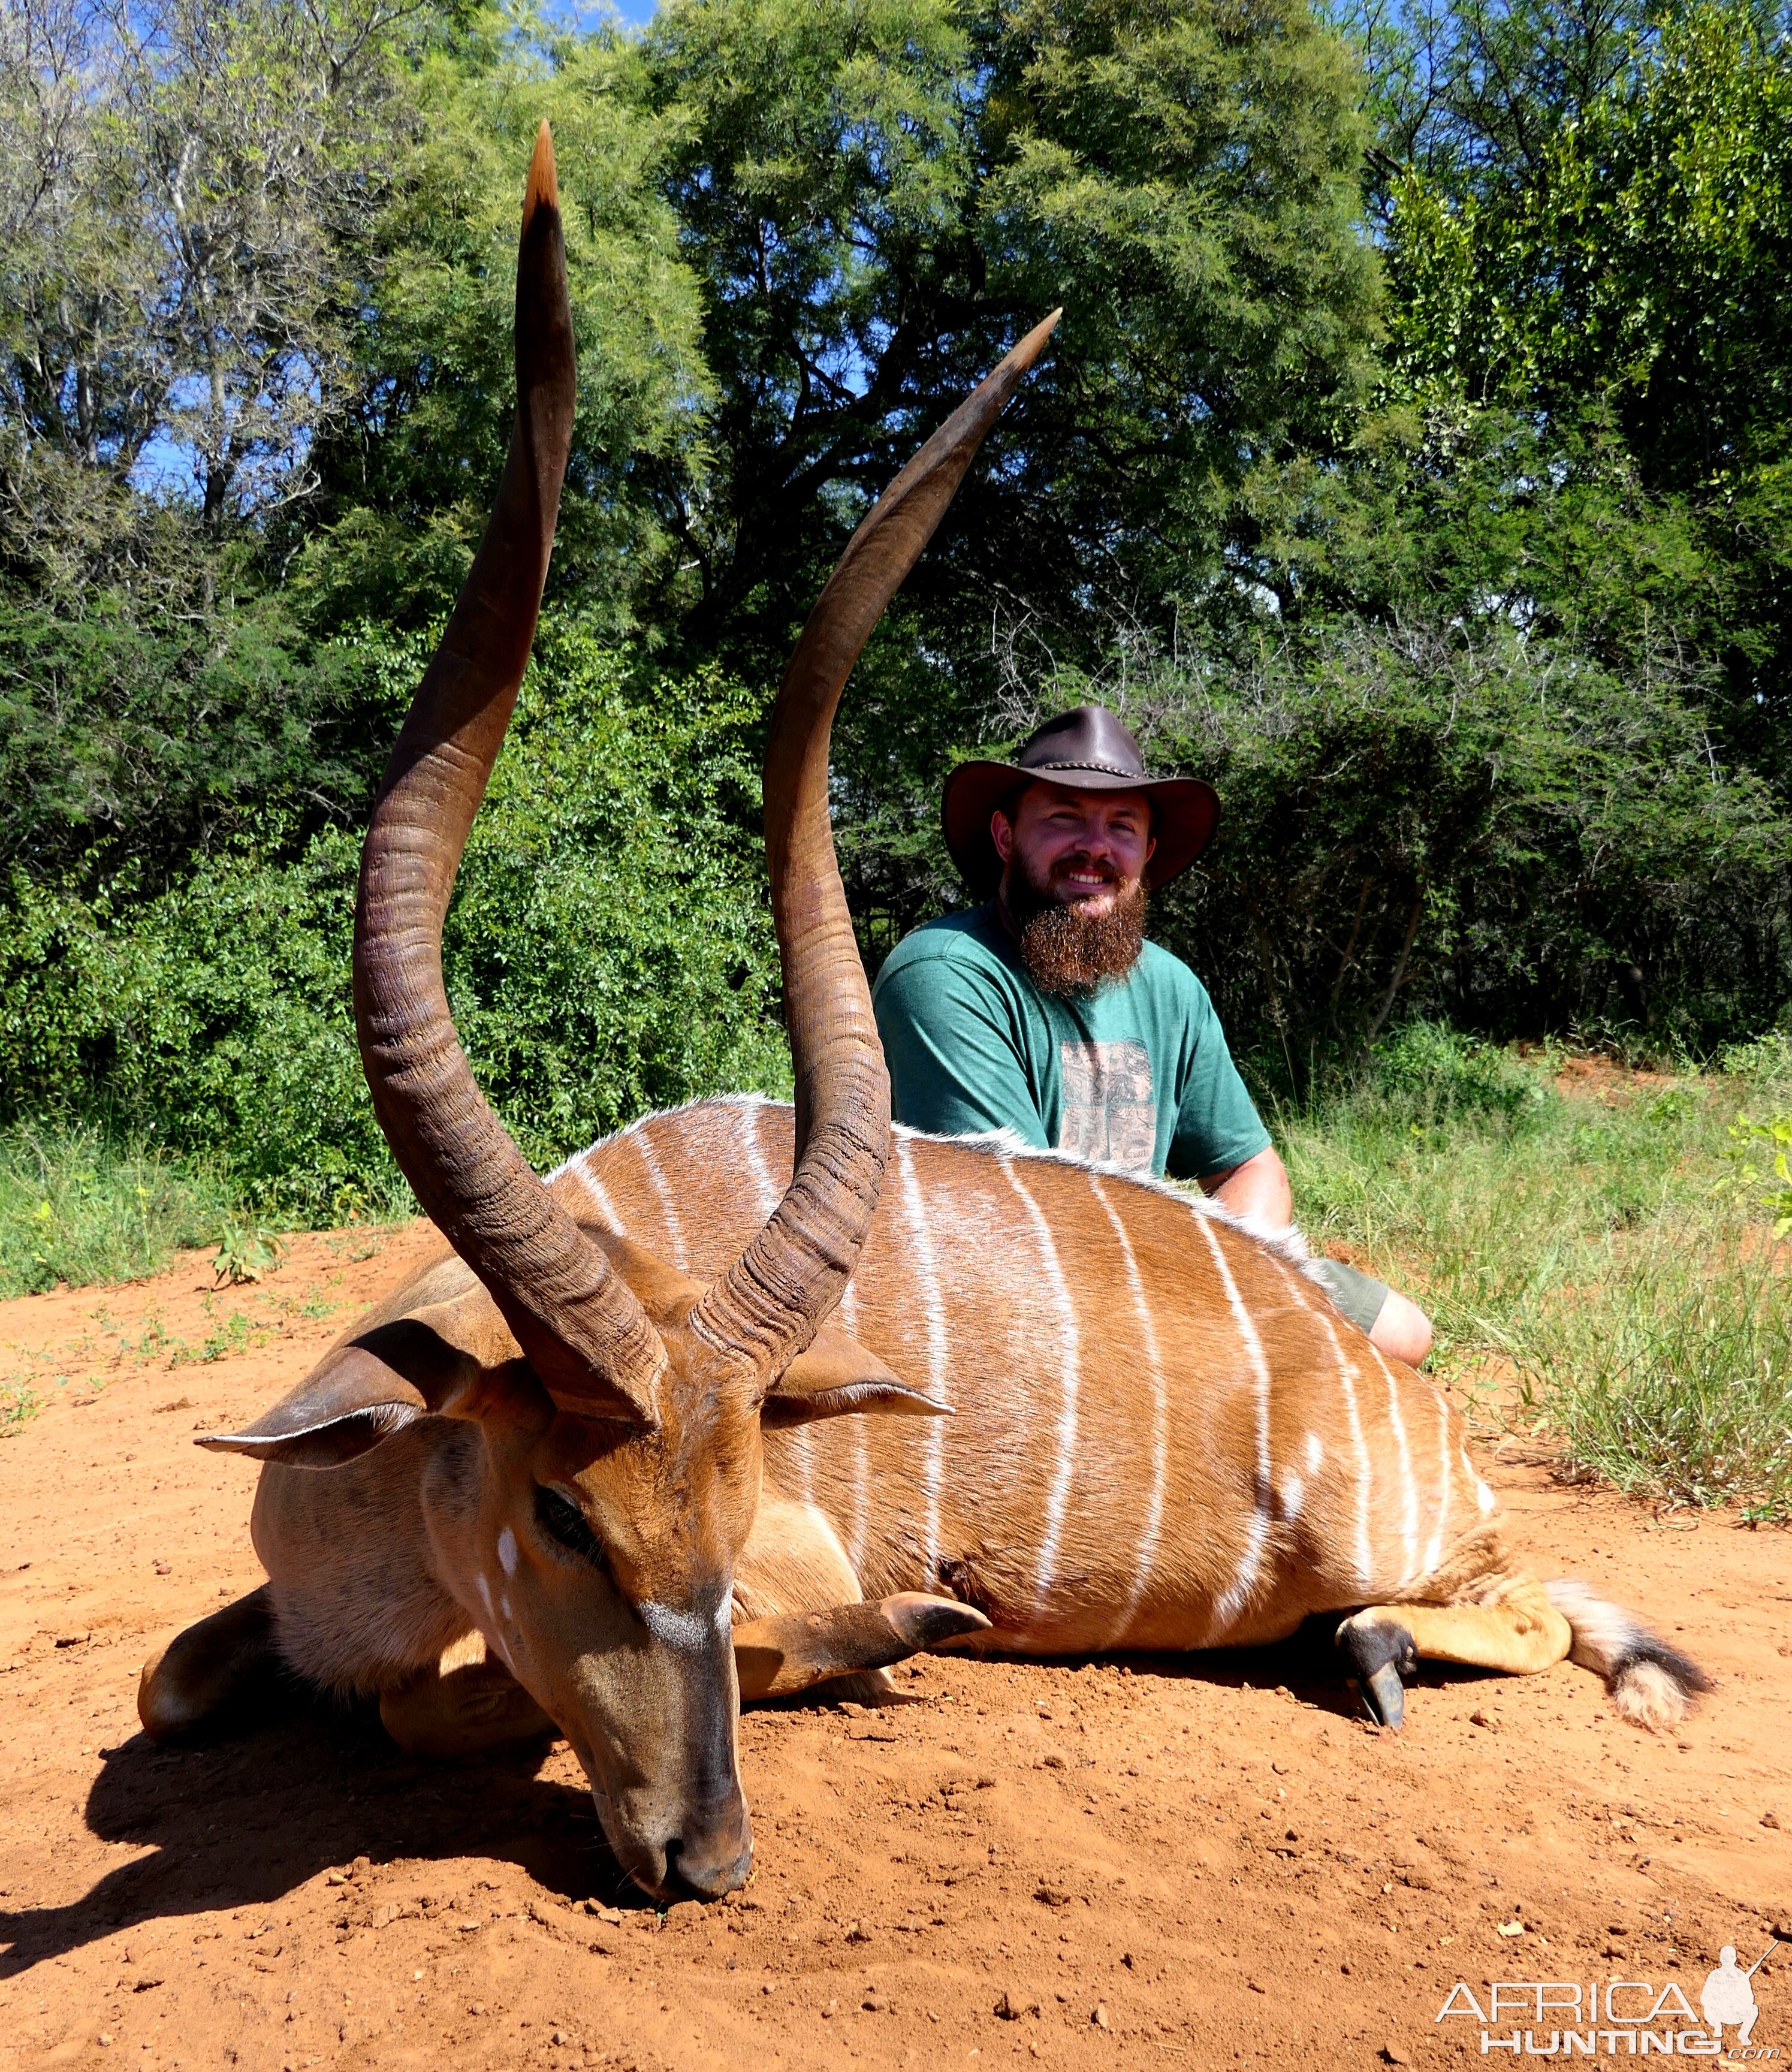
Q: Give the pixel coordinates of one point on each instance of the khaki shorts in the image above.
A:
(1359, 1297)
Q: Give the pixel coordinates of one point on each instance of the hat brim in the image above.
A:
(1185, 812)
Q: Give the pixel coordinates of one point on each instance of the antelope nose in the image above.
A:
(712, 1861)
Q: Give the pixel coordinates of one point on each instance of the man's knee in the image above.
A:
(1402, 1329)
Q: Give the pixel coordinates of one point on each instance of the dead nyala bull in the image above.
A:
(608, 1466)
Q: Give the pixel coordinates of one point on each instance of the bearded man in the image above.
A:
(1044, 1011)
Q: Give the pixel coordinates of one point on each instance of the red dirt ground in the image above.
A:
(1207, 1859)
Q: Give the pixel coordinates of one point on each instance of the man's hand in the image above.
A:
(1258, 1188)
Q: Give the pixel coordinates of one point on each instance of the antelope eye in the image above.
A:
(564, 1523)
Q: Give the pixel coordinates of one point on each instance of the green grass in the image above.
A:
(77, 1206)
(18, 1405)
(1610, 1253)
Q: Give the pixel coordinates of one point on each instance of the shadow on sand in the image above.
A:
(243, 1819)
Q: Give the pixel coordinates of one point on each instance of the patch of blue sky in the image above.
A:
(592, 13)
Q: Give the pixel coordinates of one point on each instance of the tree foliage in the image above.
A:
(1625, 266)
(880, 198)
(607, 953)
(1410, 459)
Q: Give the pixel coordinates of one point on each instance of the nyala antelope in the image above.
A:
(752, 1395)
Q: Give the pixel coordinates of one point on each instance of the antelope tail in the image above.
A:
(1650, 1683)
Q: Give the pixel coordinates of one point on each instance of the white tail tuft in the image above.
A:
(1650, 1683)
(1647, 1696)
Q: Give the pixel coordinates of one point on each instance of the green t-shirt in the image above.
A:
(1135, 1074)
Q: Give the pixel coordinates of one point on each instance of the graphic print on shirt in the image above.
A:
(1110, 1112)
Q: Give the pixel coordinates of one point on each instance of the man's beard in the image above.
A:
(1067, 951)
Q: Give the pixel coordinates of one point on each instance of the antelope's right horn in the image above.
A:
(770, 1302)
(578, 1323)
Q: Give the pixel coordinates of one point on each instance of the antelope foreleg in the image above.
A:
(462, 1704)
(775, 1657)
(1383, 1643)
(201, 1671)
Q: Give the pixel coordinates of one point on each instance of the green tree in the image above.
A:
(1631, 274)
(255, 385)
(183, 224)
(879, 197)
(407, 469)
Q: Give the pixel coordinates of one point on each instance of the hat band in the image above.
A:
(1107, 769)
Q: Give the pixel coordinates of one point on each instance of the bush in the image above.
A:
(134, 740)
(609, 951)
(1464, 823)
(1434, 1073)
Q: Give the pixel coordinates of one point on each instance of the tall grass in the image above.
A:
(79, 1206)
(1638, 1302)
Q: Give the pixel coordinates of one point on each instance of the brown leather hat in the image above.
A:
(1087, 749)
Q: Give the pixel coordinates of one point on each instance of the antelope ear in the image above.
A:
(837, 1377)
(331, 1444)
(360, 1394)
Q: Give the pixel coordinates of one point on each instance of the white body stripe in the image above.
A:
(915, 1218)
(1434, 1546)
(803, 1454)
(849, 1315)
(1145, 1558)
(1485, 1499)
(766, 1188)
(593, 1186)
(861, 1494)
(769, 1195)
(1069, 1376)
(1409, 1518)
(1232, 1602)
(668, 1208)
(1347, 1376)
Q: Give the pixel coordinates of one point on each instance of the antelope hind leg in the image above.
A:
(775, 1657)
(202, 1671)
(462, 1704)
(1385, 1642)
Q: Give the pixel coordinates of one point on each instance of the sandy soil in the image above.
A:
(1209, 1859)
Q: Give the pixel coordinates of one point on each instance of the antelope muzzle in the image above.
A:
(655, 1728)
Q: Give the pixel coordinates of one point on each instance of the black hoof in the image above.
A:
(1380, 1655)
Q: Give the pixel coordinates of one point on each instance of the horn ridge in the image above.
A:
(770, 1302)
(581, 1327)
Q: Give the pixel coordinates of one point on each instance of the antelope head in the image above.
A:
(601, 1463)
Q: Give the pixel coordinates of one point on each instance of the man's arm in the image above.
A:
(1258, 1188)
